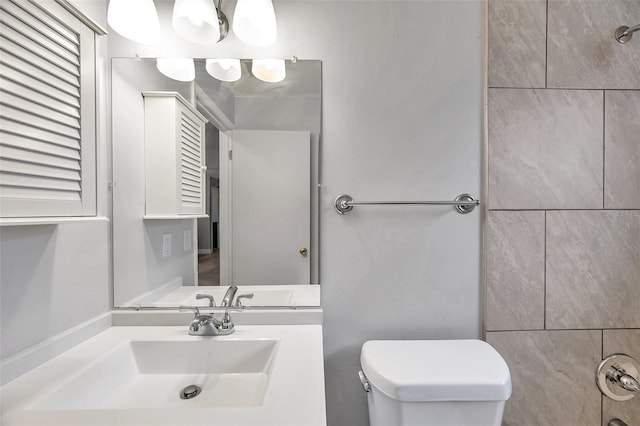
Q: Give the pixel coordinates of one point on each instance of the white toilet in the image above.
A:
(434, 382)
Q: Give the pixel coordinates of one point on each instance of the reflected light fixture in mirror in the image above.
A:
(254, 22)
(181, 69)
(135, 20)
(196, 21)
(224, 69)
(269, 70)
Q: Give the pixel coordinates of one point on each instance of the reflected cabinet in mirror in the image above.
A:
(215, 183)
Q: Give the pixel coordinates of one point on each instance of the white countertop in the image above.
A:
(294, 396)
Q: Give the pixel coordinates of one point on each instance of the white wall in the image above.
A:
(401, 120)
(402, 116)
(278, 113)
(55, 277)
(52, 278)
(214, 89)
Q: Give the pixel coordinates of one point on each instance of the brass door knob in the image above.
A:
(304, 251)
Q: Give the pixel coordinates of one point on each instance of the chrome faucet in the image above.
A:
(238, 303)
(212, 302)
(208, 324)
(618, 377)
(227, 300)
(622, 379)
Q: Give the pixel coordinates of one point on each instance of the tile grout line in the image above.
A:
(551, 330)
(583, 89)
(604, 152)
(564, 210)
(546, 45)
(544, 313)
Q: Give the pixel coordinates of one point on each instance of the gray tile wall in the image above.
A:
(593, 269)
(515, 270)
(582, 52)
(627, 342)
(552, 376)
(622, 149)
(525, 64)
(545, 149)
(562, 247)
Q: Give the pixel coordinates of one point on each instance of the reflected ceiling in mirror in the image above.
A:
(260, 189)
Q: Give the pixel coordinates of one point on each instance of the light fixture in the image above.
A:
(196, 21)
(136, 20)
(269, 70)
(224, 69)
(181, 69)
(254, 22)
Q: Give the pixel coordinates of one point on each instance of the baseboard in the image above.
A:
(205, 251)
(20, 363)
(154, 295)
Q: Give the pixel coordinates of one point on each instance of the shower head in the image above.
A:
(623, 34)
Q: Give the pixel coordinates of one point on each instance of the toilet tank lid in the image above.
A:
(436, 370)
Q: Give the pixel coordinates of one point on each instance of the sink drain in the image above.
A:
(190, 391)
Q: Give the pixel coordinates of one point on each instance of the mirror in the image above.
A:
(261, 151)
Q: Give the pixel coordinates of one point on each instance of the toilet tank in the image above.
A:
(434, 383)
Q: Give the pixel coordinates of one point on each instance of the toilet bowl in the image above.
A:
(434, 382)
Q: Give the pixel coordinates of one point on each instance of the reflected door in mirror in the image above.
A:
(270, 203)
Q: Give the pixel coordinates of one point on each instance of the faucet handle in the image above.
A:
(195, 309)
(212, 302)
(225, 326)
(624, 380)
(242, 296)
(208, 324)
(618, 377)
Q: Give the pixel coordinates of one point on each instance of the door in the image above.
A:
(270, 207)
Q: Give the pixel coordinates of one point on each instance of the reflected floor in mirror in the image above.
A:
(209, 269)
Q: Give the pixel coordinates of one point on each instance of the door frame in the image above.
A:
(224, 124)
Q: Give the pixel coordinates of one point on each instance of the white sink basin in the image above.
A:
(152, 374)
(261, 375)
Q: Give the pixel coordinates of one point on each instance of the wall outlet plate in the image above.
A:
(187, 240)
(166, 245)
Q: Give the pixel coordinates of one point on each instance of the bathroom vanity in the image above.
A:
(259, 375)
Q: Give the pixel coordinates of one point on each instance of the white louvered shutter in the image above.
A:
(47, 111)
(192, 176)
(174, 156)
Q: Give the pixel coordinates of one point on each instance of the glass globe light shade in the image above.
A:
(269, 70)
(254, 22)
(136, 20)
(224, 69)
(196, 21)
(181, 69)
